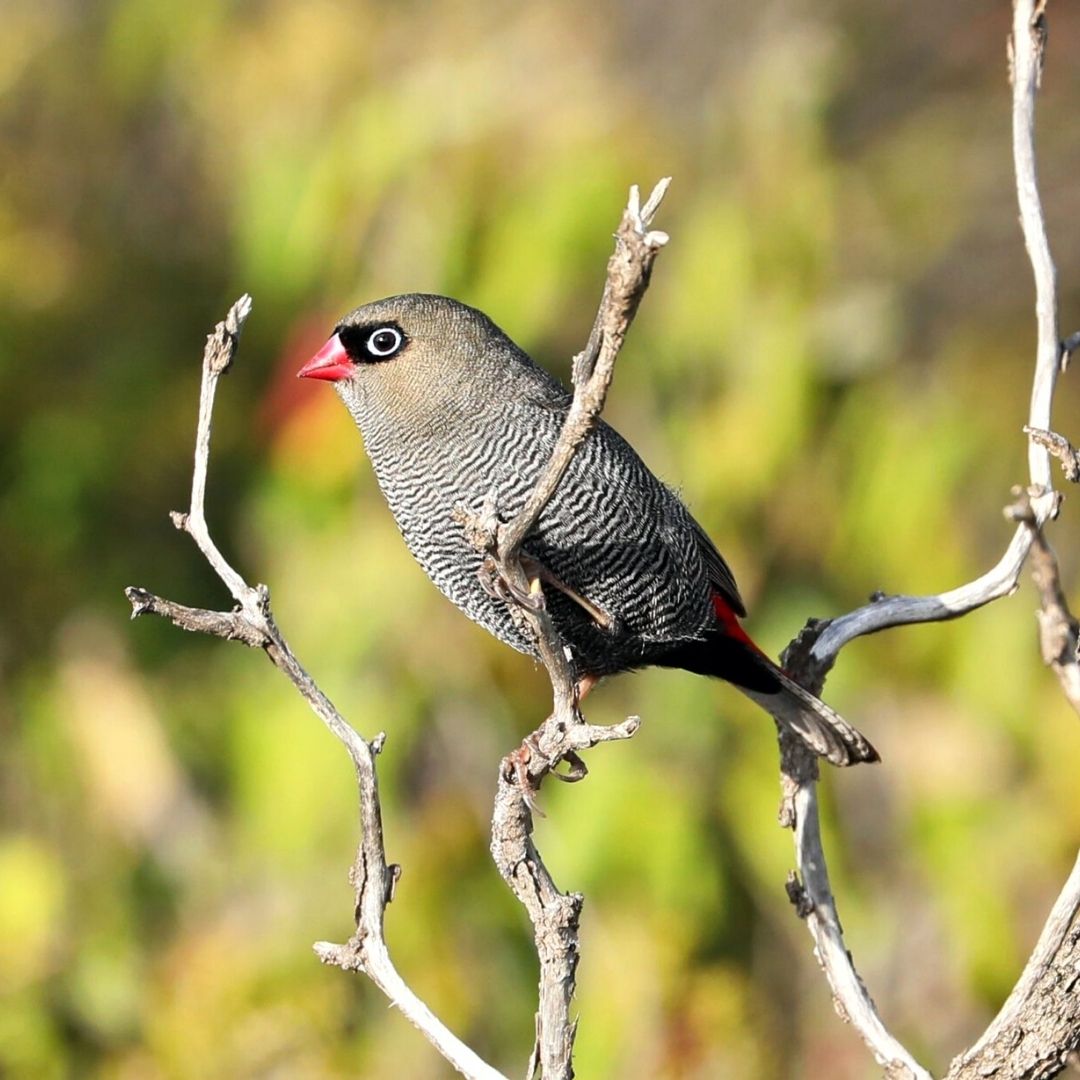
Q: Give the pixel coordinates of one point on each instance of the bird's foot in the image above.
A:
(516, 771)
(528, 764)
(496, 585)
(577, 769)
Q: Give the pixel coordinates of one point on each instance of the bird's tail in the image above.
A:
(825, 731)
(729, 653)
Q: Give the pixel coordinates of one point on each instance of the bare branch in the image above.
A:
(252, 622)
(217, 358)
(1028, 53)
(812, 654)
(224, 624)
(565, 733)
(889, 611)
(810, 890)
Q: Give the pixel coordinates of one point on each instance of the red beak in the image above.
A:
(331, 363)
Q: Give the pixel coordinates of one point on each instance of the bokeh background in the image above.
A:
(833, 366)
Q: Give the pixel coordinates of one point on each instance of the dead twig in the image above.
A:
(565, 733)
(1061, 448)
(252, 622)
(810, 889)
(1038, 1027)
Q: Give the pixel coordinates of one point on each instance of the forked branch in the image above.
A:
(1039, 1027)
(565, 733)
(252, 622)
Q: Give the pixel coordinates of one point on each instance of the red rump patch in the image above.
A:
(729, 622)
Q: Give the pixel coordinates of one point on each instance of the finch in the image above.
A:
(450, 409)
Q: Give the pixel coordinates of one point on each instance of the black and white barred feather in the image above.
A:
(460, 411)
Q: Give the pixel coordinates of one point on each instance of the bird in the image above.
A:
(450, 409)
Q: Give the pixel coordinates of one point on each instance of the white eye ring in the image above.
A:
(385, 341)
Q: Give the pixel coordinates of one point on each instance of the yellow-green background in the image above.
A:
(832, 365)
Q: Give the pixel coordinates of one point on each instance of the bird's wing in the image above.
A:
(720, 575)
(619, 543)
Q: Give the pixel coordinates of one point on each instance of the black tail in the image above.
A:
(825, 731)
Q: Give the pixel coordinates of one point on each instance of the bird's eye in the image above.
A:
(385, 341)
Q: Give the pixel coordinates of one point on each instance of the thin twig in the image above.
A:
(809, 887)
(889, 611)
(231, 625)
(218, 356)
(1061, 448)
(1026, 48)
(628, 273)
(252, 622)
(565, 733)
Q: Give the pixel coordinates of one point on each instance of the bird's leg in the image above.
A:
(515, 768)
(526, 766)
(577, 769)
(495, 584)
(500, 587)
(584, 685)
(516, 765)
(536, 569)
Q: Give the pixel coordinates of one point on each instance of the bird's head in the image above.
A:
(413, 358)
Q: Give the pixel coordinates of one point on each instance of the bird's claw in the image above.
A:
(576, 771)
(516, 771)
(501, 588)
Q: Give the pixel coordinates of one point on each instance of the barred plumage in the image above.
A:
(451, 409)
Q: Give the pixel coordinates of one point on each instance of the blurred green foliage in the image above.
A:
(833, 365)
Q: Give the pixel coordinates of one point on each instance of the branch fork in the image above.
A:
(252, 622)
(1038, 1029)
(561, 738)
(565, 733)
